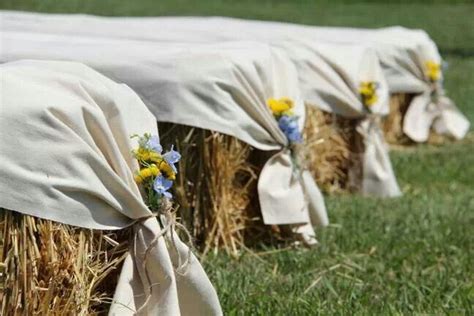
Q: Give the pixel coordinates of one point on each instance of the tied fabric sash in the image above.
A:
(427, 111)
(148, 288)
(288, 195)
(378, 176)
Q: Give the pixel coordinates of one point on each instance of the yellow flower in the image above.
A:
(143, 154)
(281, 106)
(433, 70)
(158, 165)
(167, 170)
(370, 101)
(368, 92)
(147, 172)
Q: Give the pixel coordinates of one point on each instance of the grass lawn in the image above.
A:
(408, 255)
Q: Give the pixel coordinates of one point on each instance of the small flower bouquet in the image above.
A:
(157, 170)
(368, 93)
(282, 110)
(433, 71)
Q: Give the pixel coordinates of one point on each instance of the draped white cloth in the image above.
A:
(218, 87)
(329, 74)
(66, 156)
(403, 52)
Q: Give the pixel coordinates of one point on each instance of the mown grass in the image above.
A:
(407, 255)
(412, 255)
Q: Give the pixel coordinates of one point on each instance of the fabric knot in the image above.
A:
(170, 225)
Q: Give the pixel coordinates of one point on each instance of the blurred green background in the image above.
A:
(412, 255)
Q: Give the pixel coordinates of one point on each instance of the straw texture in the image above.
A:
(393, 123)
(49, 268)
(214, 185)
(216, 190)
(334, 151)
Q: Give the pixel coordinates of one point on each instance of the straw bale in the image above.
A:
(334, 151)
(48, 268)
(213, 185)
(216, 186)
(392, 124)
(216, 189)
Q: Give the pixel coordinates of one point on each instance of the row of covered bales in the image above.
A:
(263, 117)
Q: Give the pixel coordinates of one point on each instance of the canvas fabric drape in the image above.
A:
(65, 155)
(329, 74)
(403, 52)
(221, 87)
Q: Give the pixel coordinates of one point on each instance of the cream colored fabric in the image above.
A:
(65, 153)
(218, 87)
(329, 74)
(376, 166)
(402, 52)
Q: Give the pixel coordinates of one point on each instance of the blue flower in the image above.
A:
(162, 185)
(294, 136)
(288, 123)
(289, 126)
(172, 157)
(154, 144)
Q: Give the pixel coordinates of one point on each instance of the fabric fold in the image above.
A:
(451, 121)
(316, 206)
(378, 176)
(280, 190)
(148, 288)
(427, 111)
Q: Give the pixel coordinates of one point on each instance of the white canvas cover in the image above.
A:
(402, 52)
(329, 74)
(222, 88)
(65, 153)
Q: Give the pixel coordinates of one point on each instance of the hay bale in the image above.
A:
(216, 188)
(332, 147)
(48, 267)
(57, 269)
(334, 151)
(393, 123)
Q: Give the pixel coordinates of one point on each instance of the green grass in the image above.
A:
(459, 83)
(407, 255)
(412, 255)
